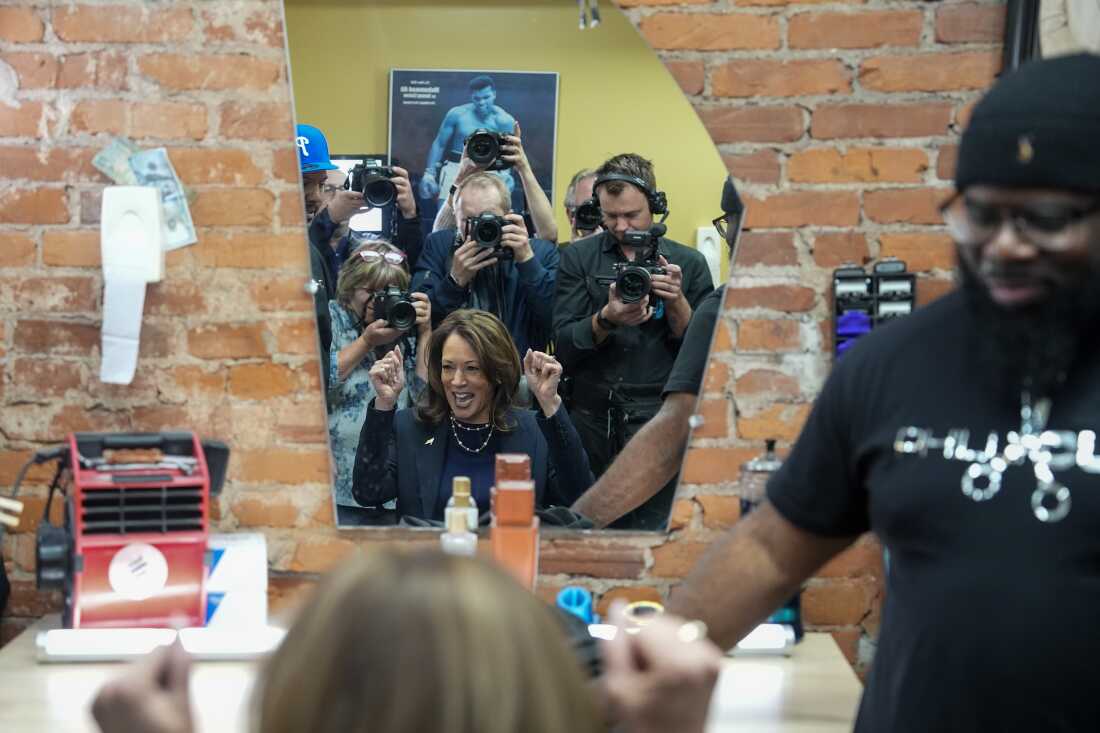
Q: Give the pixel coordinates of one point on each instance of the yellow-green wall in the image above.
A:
(615, 95)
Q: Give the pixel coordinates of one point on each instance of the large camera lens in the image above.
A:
(402, 315)
(379, 191)
(483, 148)
(488, 233)
(588, 216)
(633, 284)
(395, 307)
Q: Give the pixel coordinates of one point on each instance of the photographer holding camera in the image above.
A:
(380, 187)
(502, 152)
(624, 300)
(489, 262)
(371, 314)
(326, 211)
(480, 115)
(579, 191)
(650, 460)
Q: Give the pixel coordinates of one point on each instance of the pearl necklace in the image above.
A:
(454, 431)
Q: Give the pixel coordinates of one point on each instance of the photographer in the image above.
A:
(512, 153)
(387, 188)
(619, 347)
(578, 192)
(445, 155)
(404, 226)
(512, 277)
(315, 166)
(370, 316)
(326, 211)
(651, 459)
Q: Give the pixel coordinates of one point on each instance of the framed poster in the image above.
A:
(433, 111)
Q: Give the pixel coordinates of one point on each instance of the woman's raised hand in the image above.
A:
(543, 373)
(387, 375)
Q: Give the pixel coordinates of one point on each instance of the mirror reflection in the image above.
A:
(504, 217)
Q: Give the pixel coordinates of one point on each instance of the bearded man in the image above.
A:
(964, 436)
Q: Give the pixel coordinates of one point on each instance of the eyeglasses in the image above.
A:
(722, 223)
(392, 256)
(1051, 227)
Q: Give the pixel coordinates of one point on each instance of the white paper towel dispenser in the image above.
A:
(132, 247)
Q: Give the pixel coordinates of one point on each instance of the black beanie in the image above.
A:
(1038, 127)
(731, 202)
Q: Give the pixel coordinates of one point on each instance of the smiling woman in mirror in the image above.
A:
(372, 316)
(468, 414)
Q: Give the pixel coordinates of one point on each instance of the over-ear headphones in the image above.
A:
(658, 202)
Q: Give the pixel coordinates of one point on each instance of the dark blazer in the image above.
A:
(521, 295)
(399, 456)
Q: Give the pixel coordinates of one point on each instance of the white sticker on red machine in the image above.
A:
(138, 571)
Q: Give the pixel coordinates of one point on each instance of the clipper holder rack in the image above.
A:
(863, 300)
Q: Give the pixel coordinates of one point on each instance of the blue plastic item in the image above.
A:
(577, 601)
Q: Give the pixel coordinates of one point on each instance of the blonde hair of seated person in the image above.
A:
(410, 642)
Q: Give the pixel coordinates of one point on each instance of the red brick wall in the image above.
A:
(839, 120)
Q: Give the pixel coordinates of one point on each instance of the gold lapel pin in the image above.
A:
(1025, 151)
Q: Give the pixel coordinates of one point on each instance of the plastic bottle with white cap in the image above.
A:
(458, 539)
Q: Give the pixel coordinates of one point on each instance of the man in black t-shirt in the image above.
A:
(643, 477)
(617, 348)
(964, 436)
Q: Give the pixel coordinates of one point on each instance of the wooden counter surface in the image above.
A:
(814, 690)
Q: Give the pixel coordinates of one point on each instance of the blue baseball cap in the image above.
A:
(312, 150)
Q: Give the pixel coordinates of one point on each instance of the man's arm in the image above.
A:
(445, 217)
(430, 276)
(537, 277)
(693, 283)
(542, 214)
(645, 465)
(574, 340)
(407, 230)
(321, 228)
(578, 331)
(750, 572)
(435, 155)
(409, 238)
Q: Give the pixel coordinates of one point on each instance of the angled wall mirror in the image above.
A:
(611, 95)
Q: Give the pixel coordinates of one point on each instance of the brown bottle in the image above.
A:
(514, 531)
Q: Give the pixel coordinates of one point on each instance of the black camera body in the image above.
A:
(373, 181)
(487, 230)
(633, 280)
(588, 216)
(483, 147)
(395, 306)
(646, 239)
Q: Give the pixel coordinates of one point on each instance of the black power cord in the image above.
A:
(38, 458)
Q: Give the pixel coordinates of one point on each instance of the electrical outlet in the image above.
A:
(710, 245)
